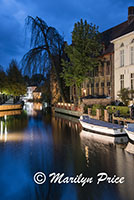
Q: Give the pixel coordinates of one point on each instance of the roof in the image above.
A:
(115, 32)
(38, 89)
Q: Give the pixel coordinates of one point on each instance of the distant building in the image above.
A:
(30, 90)
(37, 94)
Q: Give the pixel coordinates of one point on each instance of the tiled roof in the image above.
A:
(114, 33)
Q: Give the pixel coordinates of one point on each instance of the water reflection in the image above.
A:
(54, 144)
(103, 138)
(32, 108)
(130, 148)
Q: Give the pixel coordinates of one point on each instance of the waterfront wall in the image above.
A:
(10, 107)
(68, 112)
(97, 101)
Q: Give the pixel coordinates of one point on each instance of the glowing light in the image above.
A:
(87, 155)
(1, 130)
(84, 90)
(5, 132)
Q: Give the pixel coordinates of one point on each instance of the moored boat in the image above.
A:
(101, 127)
(129, 128)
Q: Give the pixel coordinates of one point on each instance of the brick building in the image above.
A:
(103, 82)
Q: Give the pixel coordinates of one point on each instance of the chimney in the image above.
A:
(130, 14)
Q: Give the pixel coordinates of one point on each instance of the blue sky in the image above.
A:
(62, 14)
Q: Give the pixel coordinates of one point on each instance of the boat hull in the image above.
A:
(101, 130)
(130, 134)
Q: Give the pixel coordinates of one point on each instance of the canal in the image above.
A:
(32, 141)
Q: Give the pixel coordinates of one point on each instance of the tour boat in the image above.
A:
(129, 128)
(101, 127)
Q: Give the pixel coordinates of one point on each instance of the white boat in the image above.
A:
(101, 127)
(129, 128)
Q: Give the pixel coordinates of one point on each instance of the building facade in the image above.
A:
(124, 62)
(124, 56)
(116, 70)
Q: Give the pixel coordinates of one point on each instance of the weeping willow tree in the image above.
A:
(46, 50)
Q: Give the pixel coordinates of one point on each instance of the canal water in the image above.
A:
(33, 141)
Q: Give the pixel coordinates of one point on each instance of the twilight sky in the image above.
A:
(62, 14)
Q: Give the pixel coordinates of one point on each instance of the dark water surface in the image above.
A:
(39, 142)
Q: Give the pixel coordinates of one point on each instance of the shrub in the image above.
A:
(97, 106)
(124, 110)
(86, 108)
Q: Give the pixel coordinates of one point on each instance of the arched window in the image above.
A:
(122, 55)
(132, 55)
(122, 44)
(132, 41)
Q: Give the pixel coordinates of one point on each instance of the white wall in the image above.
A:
(127, 69)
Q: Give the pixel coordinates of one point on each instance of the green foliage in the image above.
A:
(45, 89)
(97, 106)
(15, 84)
(83, 54)
(124, 95)
(3, 79)
(124, 110)
(86, 108)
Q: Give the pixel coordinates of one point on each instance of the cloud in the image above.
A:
(60, 14)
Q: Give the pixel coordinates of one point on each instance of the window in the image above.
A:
(132, 84)
(132, 81)
(132, 41)
(102, 69)
(96, 71)
(121, 81)
(132, 55)
(122, 45)
(102, 85)
(97, 84)
(108, 88)
(108, 68)
(92, 89)
(108, 84)
(121, 58)
(91, 73)
(97, 88)
(88, 88)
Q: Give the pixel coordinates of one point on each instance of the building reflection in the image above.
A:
(112, 158)
(32, 108)
(130, 148)
(11, 124)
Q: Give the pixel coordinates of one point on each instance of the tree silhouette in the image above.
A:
(46, 50)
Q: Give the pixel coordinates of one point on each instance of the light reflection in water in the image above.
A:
(53, 144)
(1, 130)
(32, 108)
